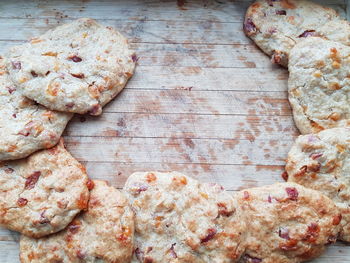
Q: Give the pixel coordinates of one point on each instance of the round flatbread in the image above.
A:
(104, 233)
(319, 85)
(77, 67)
(41, 194)
(25, 127)
(276, 26)
(322, 162)
(178, 219)
(287, 223)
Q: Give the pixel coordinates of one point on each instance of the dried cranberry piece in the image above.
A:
(223, 210)
(34, 74)
(290, 245)
(75, 59)
(134, 58)
(172, 251)
(79, 75)
(249, 259)
(284, 233)
(315, 156)
(74, 227)
(16, 65)
(209, 236)
(292, 193)
(141, 188)
(337, 219)
(43, 218)
(80, 254)
(249, 27)
(94, 109)
(11, 89)
(284, 175)
(312, 232)
(14, 115)
(269, 199)
(9, 170)
(32, 180)
(270, 2)
(22, 202)
(281, 12)
(24, 133)
(139, 254)
(70, 105)
(90, 184)
(307, 33)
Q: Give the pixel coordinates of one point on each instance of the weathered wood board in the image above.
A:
(204, 100)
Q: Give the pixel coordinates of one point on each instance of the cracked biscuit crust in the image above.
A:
(322, 162)
(77, 67)
(25, 126)
(41, 194)
(276, 26)
(319, 85)
(287, 223)
(104, 233)
(178, 219)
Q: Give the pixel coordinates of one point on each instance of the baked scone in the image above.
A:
(322, 162)
(103, 234)
(42, 194)
(276, 26)
(319, 85)
(25, 126)
(287, 223)
(178, 219)
(77, 67)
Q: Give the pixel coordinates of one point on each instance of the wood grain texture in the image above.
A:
(204, 100)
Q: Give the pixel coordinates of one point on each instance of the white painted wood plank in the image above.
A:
(138, 31)
(229, 11)
(201, 102)
(173, 150)
(144, 125)
(219, 79)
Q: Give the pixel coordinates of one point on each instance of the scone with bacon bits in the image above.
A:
(25, 126)
(42, 194)
(276, 26)
(319, 85)
(104, 233)
(287, 223)
(178, 219)
(322, 162)
(77, 67)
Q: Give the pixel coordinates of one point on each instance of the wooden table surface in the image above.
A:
(204, 100)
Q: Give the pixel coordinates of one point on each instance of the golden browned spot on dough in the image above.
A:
(50, 54)
(316, 126)
(335, 116)
(341, 148)
(288, 4)
(334, 86)
(151, 177)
